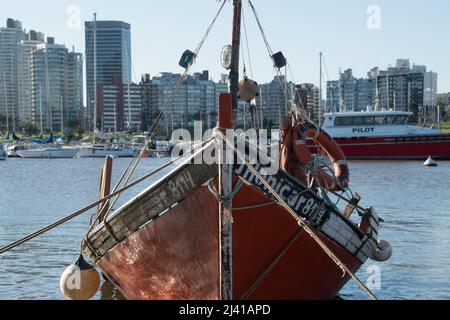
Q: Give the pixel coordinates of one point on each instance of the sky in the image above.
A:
(357, 34)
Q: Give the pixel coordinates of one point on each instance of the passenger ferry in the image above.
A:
(388, 135)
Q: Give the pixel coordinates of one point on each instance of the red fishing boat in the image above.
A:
(235, 230)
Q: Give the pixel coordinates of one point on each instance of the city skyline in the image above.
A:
(341, 32)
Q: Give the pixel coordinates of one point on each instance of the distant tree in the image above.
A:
(29, 129)
(2, 123)
(414, 108)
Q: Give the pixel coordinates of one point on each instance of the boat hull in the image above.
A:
(176, 256)
(63, 153)
(394, 148)
(98, 153)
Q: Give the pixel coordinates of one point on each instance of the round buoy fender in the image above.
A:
(341, 170)
(80, 281)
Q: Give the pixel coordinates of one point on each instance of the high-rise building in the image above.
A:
(57, 81)
(75, 86)
(25, 51)
(402, 88)
(196, 100)
(276, 99)
(120, 107)
(113, 44)
(308, 96)
(9, 97)
(444, 99)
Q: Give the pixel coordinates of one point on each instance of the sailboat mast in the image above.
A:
(95, 77)
(320, 91)
(62, 116)
(6, 101)
(236, 45)
(40, 108)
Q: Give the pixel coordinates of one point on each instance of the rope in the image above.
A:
(256, 206)
(167, 106)
(269, 49)
(301, 223)
(89, 207)
(267, 272)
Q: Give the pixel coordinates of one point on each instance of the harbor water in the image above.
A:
(414, 202)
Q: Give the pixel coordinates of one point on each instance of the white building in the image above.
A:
(25, 51)
(9, 38)
(430, 94)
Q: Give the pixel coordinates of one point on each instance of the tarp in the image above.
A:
(42, 141)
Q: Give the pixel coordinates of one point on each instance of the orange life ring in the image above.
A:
(303, 156)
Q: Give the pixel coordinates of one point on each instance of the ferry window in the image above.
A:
(391, 119)
(343, 121)
(358, 121)
(370, 121)
(380, 121)
(400, 120)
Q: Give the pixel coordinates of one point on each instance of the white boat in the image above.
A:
(3, 154)
(49, 153)
(385, 134)
(101, 151)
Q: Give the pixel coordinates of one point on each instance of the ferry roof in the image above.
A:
(369, 113)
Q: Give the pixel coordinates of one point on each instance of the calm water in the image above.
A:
(414, 201)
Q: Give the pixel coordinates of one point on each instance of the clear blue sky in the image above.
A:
(162, 30)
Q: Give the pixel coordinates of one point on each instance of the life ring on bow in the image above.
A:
(303, 156)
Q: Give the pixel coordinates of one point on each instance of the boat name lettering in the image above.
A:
(363, 130)
(181, 184)
(298, 200)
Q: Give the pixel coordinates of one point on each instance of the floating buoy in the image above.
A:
(248, 90)
(80, 281)
(430, 162)
(384, 252)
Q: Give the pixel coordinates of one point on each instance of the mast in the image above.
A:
(387, 90)
(236, 45)
(6, 101)
(62, 116)
(129, 108)
(95, 77)
(228, 108)
(115, 119)
(40, 108)
(320, 91)
(12, 106)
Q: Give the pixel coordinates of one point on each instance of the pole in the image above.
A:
(225, 207)
(236, 44)
(320, 92)
(40, 108)
(95, 78)
(12, 104)
(62, 116)
(6, 101)
(115, 118)
(129, 108)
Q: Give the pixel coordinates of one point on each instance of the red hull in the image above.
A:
(176, 255)
(395, 148)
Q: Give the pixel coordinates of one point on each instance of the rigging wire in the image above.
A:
(167, 105)
(300, 221)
